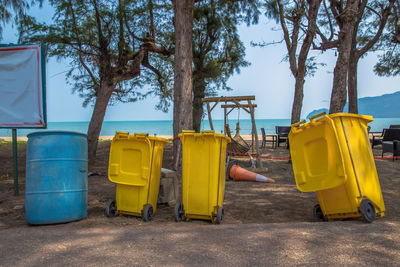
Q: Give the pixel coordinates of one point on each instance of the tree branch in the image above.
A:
(88, 70)
(152, 28)
(102, 41)
(132, 70)
(375, 12)
(385, 15)
(360, 12)
(121, 39)
(146, 63)
(80, 46)
(152, 47)
(130, 32)
(311, 28)
(328, 45)
(337, 10)
(329, 21)
(289, 45)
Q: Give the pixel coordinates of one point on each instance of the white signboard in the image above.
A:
(22, 86)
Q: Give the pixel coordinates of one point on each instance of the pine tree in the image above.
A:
(108, 45)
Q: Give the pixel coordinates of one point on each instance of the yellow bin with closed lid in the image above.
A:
(135, 167)
(332, 155)
(203, 176)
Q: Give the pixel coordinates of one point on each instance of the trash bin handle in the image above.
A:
(208, 132)
(298, 124)
(318, 115)
(140, 135)
(121, 135)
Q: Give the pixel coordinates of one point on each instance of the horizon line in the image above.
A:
(170, 120)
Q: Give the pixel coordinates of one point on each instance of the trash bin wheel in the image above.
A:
(179, 212)
(317, 214)
(148, 213)
(367, 210)
(111, 208)
(220, 215)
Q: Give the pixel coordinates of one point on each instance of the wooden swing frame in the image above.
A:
(236, 102)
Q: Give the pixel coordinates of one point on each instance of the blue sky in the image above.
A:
(268, 78)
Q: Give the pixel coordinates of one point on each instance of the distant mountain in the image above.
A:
(384, 106)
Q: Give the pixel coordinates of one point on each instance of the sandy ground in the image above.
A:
(264, 224)
(282, 244)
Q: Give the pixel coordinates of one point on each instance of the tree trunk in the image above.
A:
(301, 63)
(339, 92)
(298, 68)
(298, 99)
(198, 93)
(356, 54)
(352, 69)
(338, 95)
(183, 23)
(96, 121)
(352, 84)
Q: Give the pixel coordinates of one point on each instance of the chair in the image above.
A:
(391, 142)
(272, 139)
(282, 132)
(377, 140)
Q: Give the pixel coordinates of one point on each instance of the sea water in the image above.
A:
(164, 127)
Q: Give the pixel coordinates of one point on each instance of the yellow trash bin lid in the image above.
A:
(316, 154)
(130, 158)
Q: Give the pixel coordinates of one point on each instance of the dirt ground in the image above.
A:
(244, 203)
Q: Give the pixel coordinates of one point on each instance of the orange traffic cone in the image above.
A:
(239, 174)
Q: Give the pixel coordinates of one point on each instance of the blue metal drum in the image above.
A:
(56, 177)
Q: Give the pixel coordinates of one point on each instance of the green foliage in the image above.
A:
(389, 60)
(312, 65)
(87, 39)
(217, 50)
(10, 9)
(293, 9)
(272, 10)
(160, 87)
(100, 41)
(296, 20)
(367, 26)
(370, 23)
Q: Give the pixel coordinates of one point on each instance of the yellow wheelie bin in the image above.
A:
(332, 155)
(135, 166)
(203, 176)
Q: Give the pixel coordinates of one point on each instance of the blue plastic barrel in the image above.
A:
(56, 177)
